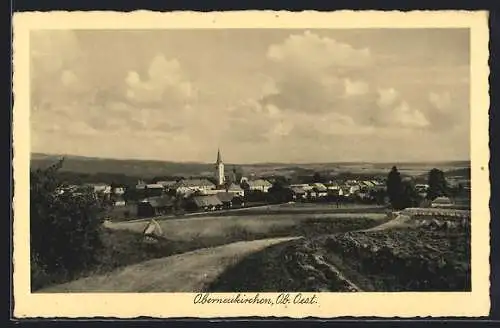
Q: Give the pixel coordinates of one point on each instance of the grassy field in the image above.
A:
(257, 226)
(391, 260)
(123, 244)
(119, 214)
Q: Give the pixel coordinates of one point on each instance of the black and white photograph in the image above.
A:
(297, 161)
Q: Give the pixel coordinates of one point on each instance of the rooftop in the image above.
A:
(209, 200)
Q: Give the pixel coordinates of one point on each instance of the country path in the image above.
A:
(187, 272)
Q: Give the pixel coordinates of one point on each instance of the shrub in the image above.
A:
(65, 227)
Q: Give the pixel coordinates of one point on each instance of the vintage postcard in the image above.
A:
(237, 164)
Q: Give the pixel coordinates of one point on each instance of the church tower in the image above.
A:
(219, 167)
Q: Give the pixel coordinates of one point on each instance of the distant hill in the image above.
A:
(138, 168)
(153, 168)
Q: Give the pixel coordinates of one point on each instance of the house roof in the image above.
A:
(98, 184)
(194, 183)
(442, 200)
(319, 186)
(259, 183)
(154, 186)
(225, 196)
(235, 187)
(167, 183)
(298, 190)
(209, 200)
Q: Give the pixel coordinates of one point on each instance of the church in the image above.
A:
(223, 182)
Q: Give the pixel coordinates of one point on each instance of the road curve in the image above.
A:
(187, 272)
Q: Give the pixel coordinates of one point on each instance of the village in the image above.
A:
(235, 191)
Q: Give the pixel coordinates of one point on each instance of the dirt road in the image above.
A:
(188, 272)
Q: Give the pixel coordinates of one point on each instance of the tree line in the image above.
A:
(402, 193)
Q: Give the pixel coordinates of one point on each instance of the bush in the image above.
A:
(65, 227)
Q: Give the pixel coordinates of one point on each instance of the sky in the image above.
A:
(261, 95)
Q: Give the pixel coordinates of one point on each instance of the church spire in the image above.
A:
(219, 157)
(219, 174)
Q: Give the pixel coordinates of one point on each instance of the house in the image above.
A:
(100, 188)
(420, 187)
(259, 184)
(167, 185)
(189, 186)
(298, 193)
(354, 189)
(153, 190)
(332, 186)
(69, 189)
(149, 190)
(119, 191)
(236, 189)
(442, 202)
(345, 191)
(119, 202)
(154, 206)
(318, 190)
(229, 199)
(205, 203)
(367, 184)
(303, 186)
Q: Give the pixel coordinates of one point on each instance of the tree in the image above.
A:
(244, 185)
(317, 177)
(279, 192)
(437, 184)
(409, 196)
(394, 188)
(65, 228)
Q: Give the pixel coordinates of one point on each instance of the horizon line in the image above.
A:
(248, 163)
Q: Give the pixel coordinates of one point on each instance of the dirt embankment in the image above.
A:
(188, 272)
(393, 260)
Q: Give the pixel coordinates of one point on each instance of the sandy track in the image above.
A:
(188, 272)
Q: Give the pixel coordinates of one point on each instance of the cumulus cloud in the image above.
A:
(408, 117)
(441, 101)
(355, 88)
(315, 90)
(319, 52)
(307, 72)
(387, 97)
(165, 83)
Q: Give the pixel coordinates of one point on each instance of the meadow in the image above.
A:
(124, 244)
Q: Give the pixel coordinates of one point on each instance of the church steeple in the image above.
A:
(219, 170)
(219, 157)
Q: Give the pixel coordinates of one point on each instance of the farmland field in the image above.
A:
(257, 226)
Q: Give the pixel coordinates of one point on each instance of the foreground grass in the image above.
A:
(122, 247)
(391, 260)
(260, 225)
(129, 212)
